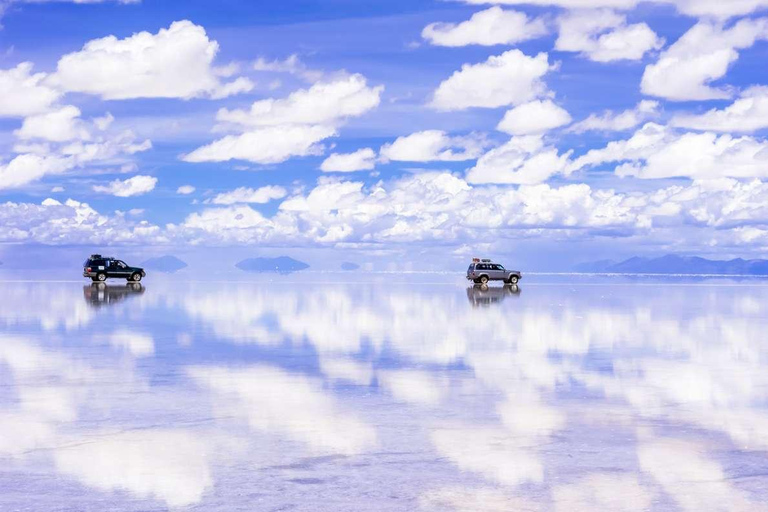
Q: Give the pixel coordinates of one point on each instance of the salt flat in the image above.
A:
(326, 393)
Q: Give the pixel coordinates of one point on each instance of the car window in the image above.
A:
(482, 267)
(121, 264)
(471, 267)
(499, 267)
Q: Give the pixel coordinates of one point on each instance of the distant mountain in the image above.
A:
(672, 264)
(594, 266)
(347, 265)
(167, 264)
(281, 264)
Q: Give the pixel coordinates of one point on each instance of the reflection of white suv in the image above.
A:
(482, 271)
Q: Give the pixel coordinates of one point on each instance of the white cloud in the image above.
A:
(291, 65)
(168, 465)
(625, 120)
(534, 118)
(185, 190)
(326, 103)
(656, 151)
(36, 161)
(698, 8)
(71, 222)
(360, 160)
(138, 344)
(522, 160)
(718, 8)
(749, 113)
(23, 93)
(269, 145)
(279, 403)
(427, 207)
(702, 55)
(174, 63)
(604, 36)
(26, 168)
(278, 129)
(134, 186)
(507, 79)
(489, 27)
(250, 195)
(59, 125)
(433, 145)
(603, 491)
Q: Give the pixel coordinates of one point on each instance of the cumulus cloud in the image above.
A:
(747, 114)
(698, 8)
(702, 55)
(487, 28)
(23, 93)
(134, 186)
(657, 151)
(250, 195)
(433, 145)
(59, 125)
(269, 145)
(616, 122)
(27, 168)
(177, 62)
(35, 161)
(71, 222)
(360, 160)
(522, 160)
(424, 208)
(275, 130)
(185, 190)
(534, 117)
(325, 103)
(507, 79)
(604, 36)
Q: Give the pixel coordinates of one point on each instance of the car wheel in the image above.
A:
(136, 277)
(484, 280)
(512, 279)
(102, 277)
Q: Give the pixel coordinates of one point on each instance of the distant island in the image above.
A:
(681, 265)
(348, 265)
(281, 264)
(166, 264)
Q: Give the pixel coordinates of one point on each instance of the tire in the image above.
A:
(483, 279)
(136, 277)
(513, 280)
(101, 277)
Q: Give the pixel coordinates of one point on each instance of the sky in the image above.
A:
(540, 130)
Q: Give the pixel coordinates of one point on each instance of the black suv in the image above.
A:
(99, 268)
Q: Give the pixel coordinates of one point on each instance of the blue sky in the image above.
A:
(580, 127)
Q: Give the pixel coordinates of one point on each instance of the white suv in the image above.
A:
(482, 271)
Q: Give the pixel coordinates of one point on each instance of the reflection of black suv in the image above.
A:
(99, 268)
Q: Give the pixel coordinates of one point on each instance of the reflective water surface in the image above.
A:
(294, 395)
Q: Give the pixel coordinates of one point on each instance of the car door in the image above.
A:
(496, 272)
(119, 269)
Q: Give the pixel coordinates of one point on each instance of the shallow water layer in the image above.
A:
(305, 394)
